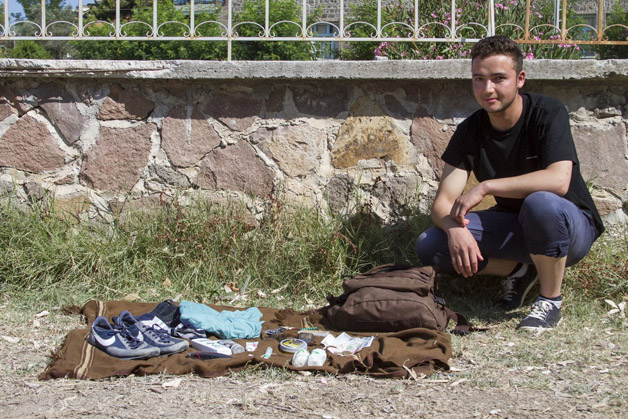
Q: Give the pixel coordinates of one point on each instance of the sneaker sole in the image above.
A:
(530, 329)
(145, 355)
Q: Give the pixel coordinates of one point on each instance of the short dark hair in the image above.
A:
(498, 45)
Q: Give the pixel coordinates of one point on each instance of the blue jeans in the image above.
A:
(546, 225)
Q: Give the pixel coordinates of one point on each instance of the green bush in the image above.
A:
(618, 31)
(435, 19)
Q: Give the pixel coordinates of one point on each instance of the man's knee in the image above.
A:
(428, 244)
(543, 212)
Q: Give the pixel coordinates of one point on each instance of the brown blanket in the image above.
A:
(421, 351)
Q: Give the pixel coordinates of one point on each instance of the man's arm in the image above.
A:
(463, 247)
(555, 178)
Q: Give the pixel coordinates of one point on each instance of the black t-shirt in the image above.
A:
(540, 137)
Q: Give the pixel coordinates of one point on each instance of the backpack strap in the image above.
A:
(463, 326)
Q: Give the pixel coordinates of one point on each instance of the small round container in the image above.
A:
(292, 345)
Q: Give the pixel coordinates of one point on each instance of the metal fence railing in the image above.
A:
(489, 18)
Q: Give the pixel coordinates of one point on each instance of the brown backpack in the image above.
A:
(390, 298)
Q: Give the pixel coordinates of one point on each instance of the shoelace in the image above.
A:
(160, 334)
(508, 285)
(129, 338)
(540, 309)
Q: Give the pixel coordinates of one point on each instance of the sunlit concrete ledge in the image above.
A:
(294, 70)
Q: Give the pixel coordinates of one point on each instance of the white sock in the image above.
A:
(558, 302)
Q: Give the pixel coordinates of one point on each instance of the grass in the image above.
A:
(295, 258)
(193, 252)
(190, 252)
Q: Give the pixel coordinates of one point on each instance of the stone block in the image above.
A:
(341, 195)
(322, 101)
(187, 137)
(115, 162)
(430, 138)
(122, 208)
(487, 202)
(369, 137)
(605, 202)
(60, 106)
(34, 191)
(275, 102)
(28, 145)
(6, 188)
(236, 110)
(395, 107)
(125, 103)
(13, 100)
(236, 168)
(7, 100)
(603, 152)
(72, 205)
(296, 149)
(170, 176)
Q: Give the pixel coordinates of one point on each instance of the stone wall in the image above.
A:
(101, 136)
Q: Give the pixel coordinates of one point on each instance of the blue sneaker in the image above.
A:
(151, 330)
(544, 315)
(118, 343)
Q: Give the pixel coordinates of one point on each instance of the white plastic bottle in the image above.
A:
(235, 347)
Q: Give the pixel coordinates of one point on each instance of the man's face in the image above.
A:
(496, 83)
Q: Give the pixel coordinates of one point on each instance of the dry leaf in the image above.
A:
(166, 283)
(458, 382)
(261, 294)
(42, 314)
(131, 297)
(11, 339)
(283, 287)
(411, 372)
(172, 383)
(611, 303)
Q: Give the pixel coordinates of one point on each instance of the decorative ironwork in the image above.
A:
(417, 31)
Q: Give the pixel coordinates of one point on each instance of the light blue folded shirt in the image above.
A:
(224, 324)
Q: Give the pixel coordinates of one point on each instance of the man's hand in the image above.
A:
(465, 253)
(463, 204)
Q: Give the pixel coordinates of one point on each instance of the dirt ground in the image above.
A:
(477, 386)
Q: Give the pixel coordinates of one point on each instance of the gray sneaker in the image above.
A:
(118, 343)
(516, 287)
(544, 315)
(151, 330)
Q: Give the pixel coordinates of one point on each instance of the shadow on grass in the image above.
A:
(378, 243)
(475, 298)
